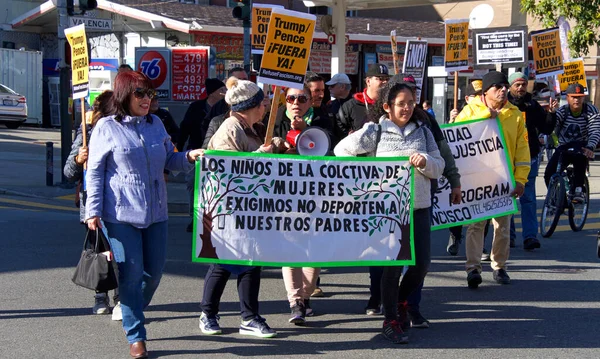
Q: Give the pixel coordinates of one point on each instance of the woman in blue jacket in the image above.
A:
(126, 189)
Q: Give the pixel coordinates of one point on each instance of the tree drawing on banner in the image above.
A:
(385, 188)
(214, 189)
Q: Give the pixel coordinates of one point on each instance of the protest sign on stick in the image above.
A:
(286, 54)
(80, 67)
(547, 54)
(278, 210)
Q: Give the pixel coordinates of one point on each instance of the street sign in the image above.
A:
(91, 23)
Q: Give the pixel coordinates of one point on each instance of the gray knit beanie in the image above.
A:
(243, 95)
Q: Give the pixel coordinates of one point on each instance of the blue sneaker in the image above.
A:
(257, 327)
(209, 325)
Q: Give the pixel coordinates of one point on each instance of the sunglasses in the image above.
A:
(500, 86)
(300, 98)
(140, 93)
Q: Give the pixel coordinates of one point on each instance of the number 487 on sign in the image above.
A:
(193, 68)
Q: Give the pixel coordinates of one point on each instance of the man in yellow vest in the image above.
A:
(492, 104)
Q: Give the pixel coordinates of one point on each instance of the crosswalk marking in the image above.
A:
(38, 205)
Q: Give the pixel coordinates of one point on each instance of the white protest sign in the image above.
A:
(275, 210)
(486, 178)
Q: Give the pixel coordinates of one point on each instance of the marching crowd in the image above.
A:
(133, 143)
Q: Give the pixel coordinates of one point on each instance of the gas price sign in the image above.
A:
(189, 70)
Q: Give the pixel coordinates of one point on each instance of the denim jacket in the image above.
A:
(125, 182)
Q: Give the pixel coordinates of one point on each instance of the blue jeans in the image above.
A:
(529, 221)
(145, 253)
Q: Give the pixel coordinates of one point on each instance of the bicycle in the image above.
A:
(559, 198)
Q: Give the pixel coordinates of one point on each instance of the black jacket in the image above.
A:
(537, 120)
(169, 123)
(351, 116)
(320, 119)
(195, 123)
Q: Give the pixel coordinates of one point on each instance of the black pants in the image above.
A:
(248, 285)
(390, 294)
(579, 165)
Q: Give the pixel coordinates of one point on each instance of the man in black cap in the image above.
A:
(577, 126)
(537, 121)
(354, 112)
(195, 124)
(494, 104)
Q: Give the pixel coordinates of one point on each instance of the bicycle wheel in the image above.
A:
(578, 212)
(553, 206)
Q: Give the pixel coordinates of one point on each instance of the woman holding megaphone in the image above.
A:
(297, 116)
(398, 133)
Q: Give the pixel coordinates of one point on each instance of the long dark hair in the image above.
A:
(103, 106)
(387, 94)
(126, 83)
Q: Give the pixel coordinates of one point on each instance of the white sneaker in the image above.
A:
(101, 304)
(117, 315)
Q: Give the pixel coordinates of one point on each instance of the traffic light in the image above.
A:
(242, 11)
(84, 5)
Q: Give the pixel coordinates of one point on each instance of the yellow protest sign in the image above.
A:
(261, 14)
(574, 73)
(287, 49)
(456, 56)
(547, 55)
(80, 63)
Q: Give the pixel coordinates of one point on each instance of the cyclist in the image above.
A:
(577, 126)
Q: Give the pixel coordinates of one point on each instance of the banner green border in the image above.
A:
(197, 170)
(510, 170)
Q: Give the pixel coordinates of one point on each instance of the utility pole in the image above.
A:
(247, 46)
(66, 128)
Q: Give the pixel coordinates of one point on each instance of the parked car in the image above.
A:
(13, 108)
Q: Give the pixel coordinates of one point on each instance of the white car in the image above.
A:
(13, 108)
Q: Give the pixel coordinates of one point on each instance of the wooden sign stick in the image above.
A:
(273, 115)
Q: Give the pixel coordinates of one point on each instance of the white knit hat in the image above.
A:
(242, 95)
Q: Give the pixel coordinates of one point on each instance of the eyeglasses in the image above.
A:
(140, 93)
(300, 98)
(410, 104)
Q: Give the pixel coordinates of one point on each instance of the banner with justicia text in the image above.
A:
(286, 210)
(486, 175)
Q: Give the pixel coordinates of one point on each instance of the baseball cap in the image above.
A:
(338, 79)
(377, 70)
(474, 88)
(575, 90)
(405, 79)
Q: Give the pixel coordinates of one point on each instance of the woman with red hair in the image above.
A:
(127, 193)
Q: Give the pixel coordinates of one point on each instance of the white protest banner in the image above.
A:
(283, 210)
(506, 45)
(486, 177)
(415, 60)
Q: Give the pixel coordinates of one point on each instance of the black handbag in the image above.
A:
(94, 271)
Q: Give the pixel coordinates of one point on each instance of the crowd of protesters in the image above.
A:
(133, 143)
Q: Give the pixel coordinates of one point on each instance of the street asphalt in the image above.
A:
(548, 311)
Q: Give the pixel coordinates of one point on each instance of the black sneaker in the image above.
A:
(417, 320)
(393, 332)
(501, 277)
(485, 256)
(257, 327)
(309, 310)
(190, 227)
(531, 243)
(453, 244)
(298, 313)
(210, 325)
(403, 318)
(474, 279)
